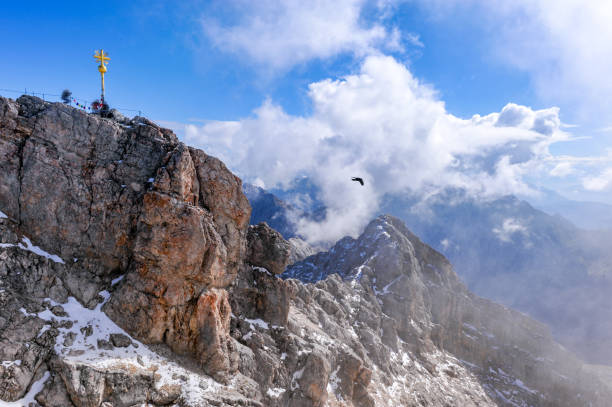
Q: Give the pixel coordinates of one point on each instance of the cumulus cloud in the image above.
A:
(564, 45)
(509, 228)
(280, 34)
(600, 182)
(562, 169)
(385, 126)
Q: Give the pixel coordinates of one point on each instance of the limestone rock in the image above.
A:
(120, 340)
(127, 198)
(267, 248)
(300, 249)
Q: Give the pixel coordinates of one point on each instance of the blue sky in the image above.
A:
(217, 71)
(160, 54)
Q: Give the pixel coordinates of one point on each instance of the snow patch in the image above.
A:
(89, 326)
(297, 375)
(9, 363)
(275, 392)
(116, 280)
(37, 250)
(257, 322)
(333, 383)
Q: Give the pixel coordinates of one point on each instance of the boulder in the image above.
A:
(267, 248)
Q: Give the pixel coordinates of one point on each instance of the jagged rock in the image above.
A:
(300, 249)
(120, 340)
(104, 344)
(314, 378)
(127, 198)
(118, 116)
(54, 393)
(414, 309)
(267, 248)
(89, 387)
(166, 394)
(257, 294)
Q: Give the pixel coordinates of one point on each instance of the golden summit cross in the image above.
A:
(102, 58)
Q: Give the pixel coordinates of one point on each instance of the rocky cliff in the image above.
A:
(129, 276)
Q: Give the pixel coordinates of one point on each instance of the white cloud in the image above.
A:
(562, 169)
(598, 183)
(280, 34)
(445, 243)
(564, 45)
(385, 126)
(509, 228)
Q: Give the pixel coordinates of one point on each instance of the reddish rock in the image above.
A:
(129, 198)
(267, 248)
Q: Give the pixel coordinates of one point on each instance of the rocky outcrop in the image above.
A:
(128, 198)
(267, 248)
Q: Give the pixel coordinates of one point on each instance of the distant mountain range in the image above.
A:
(584, 214)
(509, 251)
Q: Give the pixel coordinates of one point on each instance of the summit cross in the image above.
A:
(103, 59)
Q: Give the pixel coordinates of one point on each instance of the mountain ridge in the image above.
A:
(130, 276)
(509, 251)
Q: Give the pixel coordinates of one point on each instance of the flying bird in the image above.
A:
(360, 180)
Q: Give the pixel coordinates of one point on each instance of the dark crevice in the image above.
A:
(201, 200)
(20, 152)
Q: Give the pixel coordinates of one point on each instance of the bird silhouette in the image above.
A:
(360, 180)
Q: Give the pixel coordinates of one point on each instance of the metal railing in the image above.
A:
(45, 95)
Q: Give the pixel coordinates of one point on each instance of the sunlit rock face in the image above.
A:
(118, 198)
(129, 276)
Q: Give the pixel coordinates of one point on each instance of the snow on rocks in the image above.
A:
(257, 322)
(117, 280)
(275, 392)
(35, 388)
(34, 249)
(88, 340)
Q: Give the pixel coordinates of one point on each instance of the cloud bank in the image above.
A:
(281, 34)
(385, 126)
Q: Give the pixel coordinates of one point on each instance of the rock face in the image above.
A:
(129, 276)
(267, 248)
(510, 252)
(300, 249)
(129, 199)
(414, 322)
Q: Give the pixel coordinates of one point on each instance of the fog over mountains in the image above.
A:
(508, 251)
